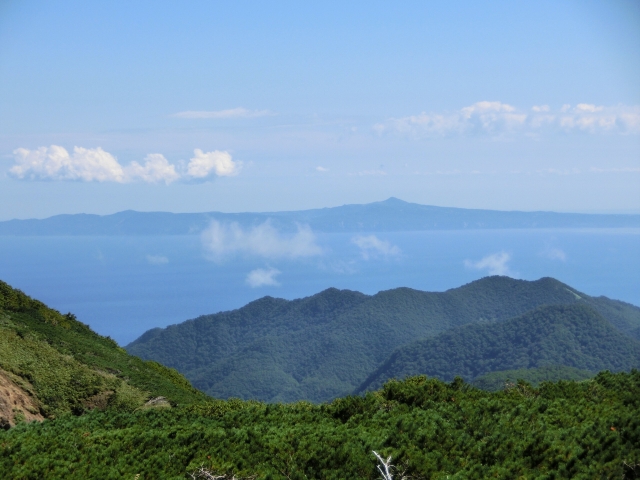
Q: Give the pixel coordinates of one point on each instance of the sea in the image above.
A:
(122, 286)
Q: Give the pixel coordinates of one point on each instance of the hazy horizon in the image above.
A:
(613, 212)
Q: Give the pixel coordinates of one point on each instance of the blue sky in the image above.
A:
(236, 106)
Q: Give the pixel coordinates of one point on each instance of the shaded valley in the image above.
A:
(570, 335)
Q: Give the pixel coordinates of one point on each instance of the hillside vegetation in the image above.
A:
(570, 335)
(325, 346)
(495, 381)
(431, 429)
(56, 365)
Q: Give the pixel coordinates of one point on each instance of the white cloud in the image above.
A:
(261, 277)
(488, 117)
(221, 114)
(372, 246)
(55, 163)
(264, 240)
(594, 119)
(341, 267)
(587, 107)
(157, 259)
(558, 171)
(97, 165)
(322, 169)
(487, 107)
(497, 118)
(554, 254)
(204, 165)
(449, 172)
(156, 169)
(379, 128)
(495, 264)
(539, 121)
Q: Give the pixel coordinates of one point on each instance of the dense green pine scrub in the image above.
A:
(436, 430)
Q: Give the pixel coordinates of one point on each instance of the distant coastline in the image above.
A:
(391, 215)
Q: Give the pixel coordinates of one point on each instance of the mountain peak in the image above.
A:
(394, 201)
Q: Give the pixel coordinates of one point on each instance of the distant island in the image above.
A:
(391, 215)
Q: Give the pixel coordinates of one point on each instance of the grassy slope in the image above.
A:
(70, 367)
(571, 335)
(324, 346)
(580, 430)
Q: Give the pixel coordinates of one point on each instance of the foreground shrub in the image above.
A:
(431, 429)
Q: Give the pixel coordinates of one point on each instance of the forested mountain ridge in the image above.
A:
(52, 364)
(386, 216)
(571, 335)
(326, 345)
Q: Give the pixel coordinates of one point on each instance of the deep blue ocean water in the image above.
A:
(123, 286)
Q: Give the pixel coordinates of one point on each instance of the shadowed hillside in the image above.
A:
(570, 335)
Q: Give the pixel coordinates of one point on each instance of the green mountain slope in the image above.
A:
(57, 364)
(571, 335)
(622, 315)
(324, 346)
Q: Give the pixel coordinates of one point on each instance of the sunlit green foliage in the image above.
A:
(585, 430)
